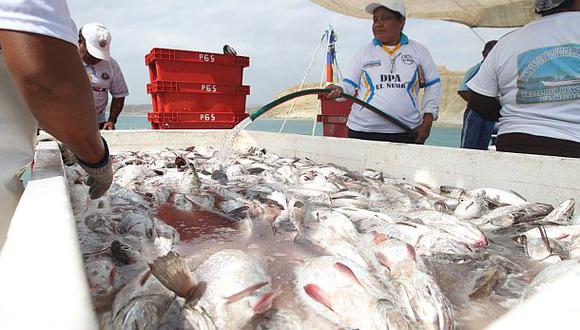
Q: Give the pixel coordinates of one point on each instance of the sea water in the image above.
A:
(440, 136)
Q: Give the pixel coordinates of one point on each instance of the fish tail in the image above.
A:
(172, 271)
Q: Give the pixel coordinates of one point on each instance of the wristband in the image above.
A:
(102, 162)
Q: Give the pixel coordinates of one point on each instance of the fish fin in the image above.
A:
(345, 270)
(545, 238)
(520, 196)
(316, 293)
(265, 302)
(383, 260)
(145, 277)
(411, 251)
(246, 292)
(172, 271)
(112, 275)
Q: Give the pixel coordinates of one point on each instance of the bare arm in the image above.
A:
(424, 130)
(117, 105)
(49, 75)
(487, 107)
(464, 95)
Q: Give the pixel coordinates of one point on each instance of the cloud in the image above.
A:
(278, 36)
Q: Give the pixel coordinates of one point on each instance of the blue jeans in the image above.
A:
(476, 132)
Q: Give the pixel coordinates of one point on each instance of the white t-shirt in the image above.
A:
(47, 17)
(389, 80)
(106, 77)
(536, 73)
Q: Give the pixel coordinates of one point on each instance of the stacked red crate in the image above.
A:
(196, 90)
(334, 117)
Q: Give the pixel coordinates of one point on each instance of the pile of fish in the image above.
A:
(182, 241)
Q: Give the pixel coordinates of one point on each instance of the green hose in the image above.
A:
(294, 95)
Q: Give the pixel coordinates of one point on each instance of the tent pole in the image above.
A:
(477, 34)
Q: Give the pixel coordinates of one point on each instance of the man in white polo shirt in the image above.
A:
(42, 81)
(104, 73)
(388, 73)
(535, 71)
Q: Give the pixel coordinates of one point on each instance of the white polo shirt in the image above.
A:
(47, 17)
(536, 73)
(389, 80)
(106, 77)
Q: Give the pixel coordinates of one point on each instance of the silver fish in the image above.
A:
(339, 290)
(236, 287)
(471, 205)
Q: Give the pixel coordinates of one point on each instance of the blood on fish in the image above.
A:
(195, 223)
(316, 293)
(379, 237)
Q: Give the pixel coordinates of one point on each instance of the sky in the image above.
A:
(279, 36)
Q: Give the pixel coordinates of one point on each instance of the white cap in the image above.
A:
(394, 5)
(97, 40)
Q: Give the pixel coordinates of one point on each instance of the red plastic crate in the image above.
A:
(334, 117)
(332, 107)
(187, 120)
(333, 125)
(169, 96)
(192, 66)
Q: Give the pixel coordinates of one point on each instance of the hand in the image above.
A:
(109, 126)
(335, 91)
(424, 130)
(100, 175)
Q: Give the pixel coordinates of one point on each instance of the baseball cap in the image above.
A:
(545, 5)
(97, 40)
(394, 5)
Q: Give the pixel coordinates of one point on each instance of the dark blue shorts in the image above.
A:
(476, 132)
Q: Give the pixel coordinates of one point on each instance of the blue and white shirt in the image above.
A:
(468, 75)
(388, 78)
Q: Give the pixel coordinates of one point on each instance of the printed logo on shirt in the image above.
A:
(390, 81)
(105, 76)
(371, 64)
(550, 74)
(407, 59)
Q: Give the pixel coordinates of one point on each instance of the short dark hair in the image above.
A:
(567, 5)
(489, 45)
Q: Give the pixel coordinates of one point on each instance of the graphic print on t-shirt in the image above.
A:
(550, 74)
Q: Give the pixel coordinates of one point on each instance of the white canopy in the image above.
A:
(473, 13)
